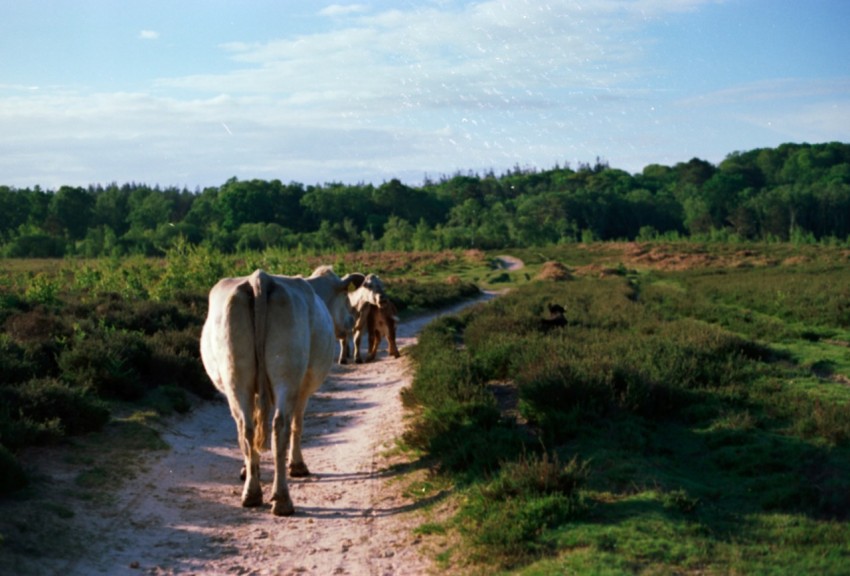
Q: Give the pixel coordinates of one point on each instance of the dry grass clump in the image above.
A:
(555, 271)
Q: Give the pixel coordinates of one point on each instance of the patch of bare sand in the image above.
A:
(183, 514)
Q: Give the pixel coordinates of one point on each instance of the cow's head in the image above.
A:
(333, 290)
(373, 291)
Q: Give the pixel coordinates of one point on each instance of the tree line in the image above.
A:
(798, 192)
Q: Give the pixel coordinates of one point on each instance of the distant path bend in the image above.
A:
(510, 263)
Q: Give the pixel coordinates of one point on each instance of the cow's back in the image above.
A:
(298, 335)
(299, 323)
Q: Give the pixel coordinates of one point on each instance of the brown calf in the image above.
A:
(382, 324)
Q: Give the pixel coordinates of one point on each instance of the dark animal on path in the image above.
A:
(556, 317)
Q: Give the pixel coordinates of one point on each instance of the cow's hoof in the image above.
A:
(283, 508)
(252, 499)
(359, 361)
(298, 470)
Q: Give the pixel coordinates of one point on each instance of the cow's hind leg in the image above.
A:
(252, 493)
(281, 429)
(297, 467)
(343, 350)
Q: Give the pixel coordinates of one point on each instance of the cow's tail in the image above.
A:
(262, 285)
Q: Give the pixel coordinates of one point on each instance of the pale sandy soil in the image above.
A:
(182, 515)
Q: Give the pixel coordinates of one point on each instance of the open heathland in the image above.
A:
(620, 408)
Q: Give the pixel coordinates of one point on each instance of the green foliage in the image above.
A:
(42, 289)
(796, 192)
(509, 519)
(111, 362)
(411, 296)
(49, 409)
(188, 268)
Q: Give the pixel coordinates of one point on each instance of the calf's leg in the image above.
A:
(374, 342)
(393, 348)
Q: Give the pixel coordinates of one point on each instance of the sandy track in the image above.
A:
(183, 515)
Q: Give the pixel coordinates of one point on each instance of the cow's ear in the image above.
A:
(353, 281)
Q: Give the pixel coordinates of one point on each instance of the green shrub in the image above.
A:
(147, 317)
(12, 476)
(507, 519)
(46, 410)
(468, 439)
(15, 366)
(418, 296)
(538, 474)
(175, 361)
(816, 418)
(43, 289)
(113, 363)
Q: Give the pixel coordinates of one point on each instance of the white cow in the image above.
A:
(267, 345)
(363, 301)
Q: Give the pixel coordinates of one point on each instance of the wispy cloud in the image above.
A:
(336, 10)
(487, 55)
(148, 35)
(772, 90)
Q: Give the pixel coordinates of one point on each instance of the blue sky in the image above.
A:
(191, 93)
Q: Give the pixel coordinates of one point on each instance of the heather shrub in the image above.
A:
(113, 363)
(46, 410)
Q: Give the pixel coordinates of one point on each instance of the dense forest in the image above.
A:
(797, 192)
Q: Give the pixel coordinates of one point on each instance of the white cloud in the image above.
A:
(148, 35)
(772, 90)
(432, 88)
(336, 10)
(487, 55)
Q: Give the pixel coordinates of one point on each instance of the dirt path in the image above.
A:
(183, 515)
